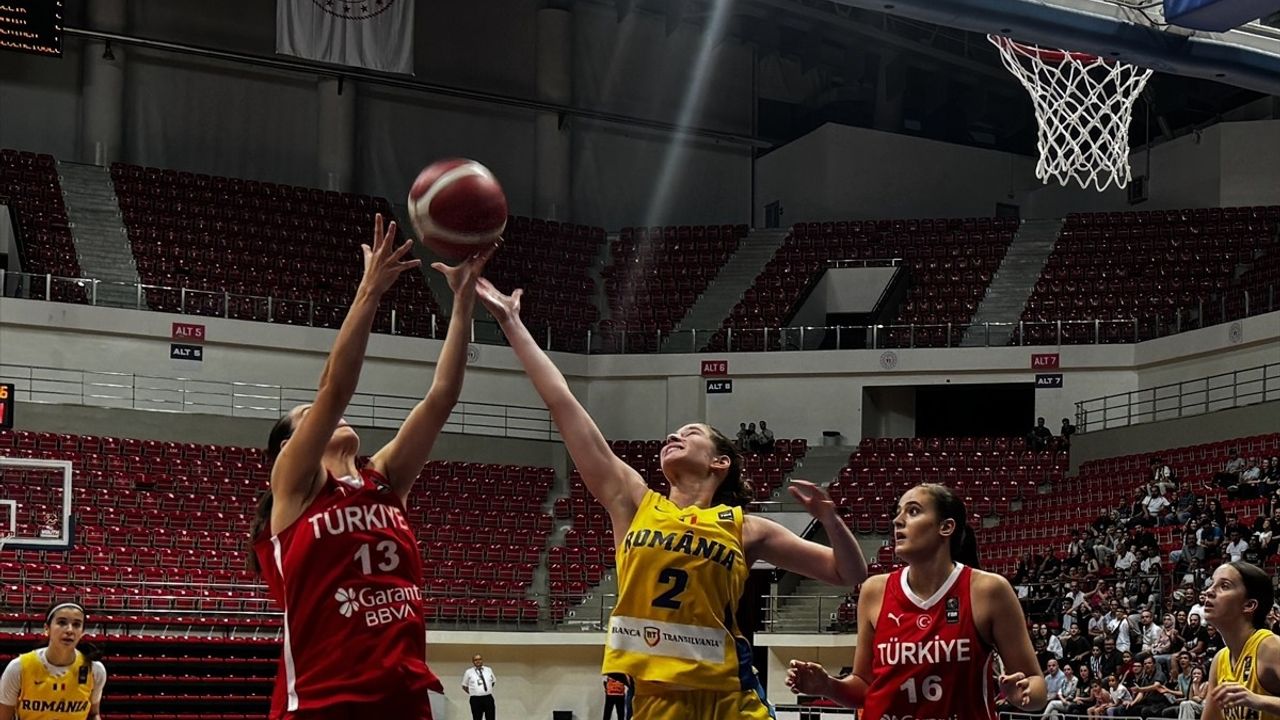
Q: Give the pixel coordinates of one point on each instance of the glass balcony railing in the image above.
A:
(1230, 305)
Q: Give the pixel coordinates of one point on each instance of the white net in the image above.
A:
(1083, 106)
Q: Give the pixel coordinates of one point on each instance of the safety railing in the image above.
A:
(1228, 306)
(808, 614)
(96, 388)
(1237, 388)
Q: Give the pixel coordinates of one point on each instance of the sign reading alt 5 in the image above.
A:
(179, 351)
(189, 332)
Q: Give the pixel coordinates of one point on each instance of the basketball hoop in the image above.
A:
(1083, 106)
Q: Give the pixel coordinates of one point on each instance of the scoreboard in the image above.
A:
(33, 26)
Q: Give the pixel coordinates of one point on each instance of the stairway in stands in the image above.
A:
(102, 244)
(736, 277)
(1013, 283)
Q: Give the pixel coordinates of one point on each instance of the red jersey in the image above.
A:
(349, 577)
(928, 662)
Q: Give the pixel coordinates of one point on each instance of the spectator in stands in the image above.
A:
(1213, 640)
(330, 665)
(1112, 659)
(1161, 475)
(1054, 680)
(1150, 634)
(1107, 546)
(1193, 705)
(1150, 563)
(1230, 474)
(1075, 646)
(1235, 547)
(1088, 688)
(1154, 506)
(1250, 484)
(1191, 550)
(1118, 696)
(705, 502)
(753, 438)
(32, 677)
(765, 442)
(744, 438)
(1210, 537)
(1151, 695)
(1125, 558)
(1065, 432)
(1187, 506)
(1266, 537)
(1040, 436)
(1068, 692)
(1169, 644)
(1196, 637)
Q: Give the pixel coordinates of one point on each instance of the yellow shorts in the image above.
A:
(701, 705)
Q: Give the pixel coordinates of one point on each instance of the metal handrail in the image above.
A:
(759, 339)
(99, 388)
(1237, 388)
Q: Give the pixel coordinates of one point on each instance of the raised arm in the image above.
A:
(298, 466)
(401, 460)
(840, 564)
(613, 483)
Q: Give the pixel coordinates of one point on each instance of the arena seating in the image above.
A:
(988, 473)
(1045, 522)
(29, 184)
(1132, 271)
(951, 263)
(167, 677)
(177, 514)
(1261, 282)
(588, 551)
(550, 261)
(253, 240)
(656, 274)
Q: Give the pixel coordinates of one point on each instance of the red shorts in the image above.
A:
(390, 709)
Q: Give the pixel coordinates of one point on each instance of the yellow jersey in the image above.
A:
(1243, 670)
(681, 573)
(65, 697)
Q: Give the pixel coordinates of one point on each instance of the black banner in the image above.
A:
(179, 351)
(33, 26)
(715, 387)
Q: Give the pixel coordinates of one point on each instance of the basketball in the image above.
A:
(457, 207)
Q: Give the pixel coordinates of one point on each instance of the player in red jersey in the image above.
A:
(926, 632)
(332, 541)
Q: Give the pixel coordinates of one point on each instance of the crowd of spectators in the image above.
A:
(1118, 627)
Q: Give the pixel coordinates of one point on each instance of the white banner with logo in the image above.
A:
(654, 637)
(374, 34)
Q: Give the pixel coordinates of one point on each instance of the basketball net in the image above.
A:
(1083, 106)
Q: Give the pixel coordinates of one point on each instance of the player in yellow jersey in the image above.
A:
(1244, 679)
(683, 560)
(57, 682)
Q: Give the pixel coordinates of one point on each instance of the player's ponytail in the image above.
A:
(734, 490)
(964, 542)
(281, 431)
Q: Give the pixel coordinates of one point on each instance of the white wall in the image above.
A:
(801, 394)
(1228, 164)
(841, 172)
(232, 119)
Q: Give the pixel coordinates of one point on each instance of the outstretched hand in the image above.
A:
(815, 500)
(808, 678)
(503, 308)
(383, 262)
(463, 276)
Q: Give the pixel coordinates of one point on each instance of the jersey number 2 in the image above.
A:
(390, 558)
(679, 580)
